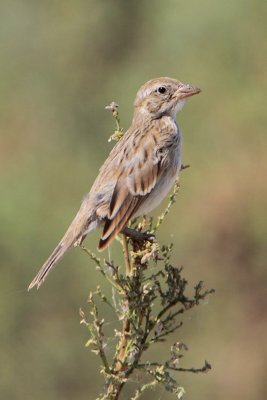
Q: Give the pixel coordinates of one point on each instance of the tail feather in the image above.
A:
(113, 226)
(50, 263)
(79, 228)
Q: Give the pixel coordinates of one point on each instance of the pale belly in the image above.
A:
(157, 195)
(165, 182)
(163, 186)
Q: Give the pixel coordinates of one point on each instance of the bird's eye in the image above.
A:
(161, 89)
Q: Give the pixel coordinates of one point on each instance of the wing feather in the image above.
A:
(140, 171)
(114, 226)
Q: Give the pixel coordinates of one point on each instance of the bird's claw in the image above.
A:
(137, 235)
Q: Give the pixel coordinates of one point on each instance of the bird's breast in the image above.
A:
(165, 181)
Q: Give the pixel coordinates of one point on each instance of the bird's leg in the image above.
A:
(137, 235)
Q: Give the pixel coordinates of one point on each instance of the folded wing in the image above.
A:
(139, 173)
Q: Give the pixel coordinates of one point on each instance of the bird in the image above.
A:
(138, 173)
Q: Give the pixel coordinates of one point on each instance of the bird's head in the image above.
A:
(163, 96)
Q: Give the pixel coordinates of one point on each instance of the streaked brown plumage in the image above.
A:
(138, 173)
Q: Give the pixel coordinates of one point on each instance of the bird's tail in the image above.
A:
(76, 231)
(50, 263)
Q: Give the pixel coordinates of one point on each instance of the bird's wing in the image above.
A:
(138, 167)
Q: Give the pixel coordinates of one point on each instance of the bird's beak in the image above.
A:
(185, 91)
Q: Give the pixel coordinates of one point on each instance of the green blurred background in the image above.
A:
(61, 63)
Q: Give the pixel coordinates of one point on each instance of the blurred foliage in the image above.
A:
(61, 63)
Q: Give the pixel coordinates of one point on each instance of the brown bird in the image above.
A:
(138, 173)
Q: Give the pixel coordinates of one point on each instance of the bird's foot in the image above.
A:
(144, 243)
(137, 235)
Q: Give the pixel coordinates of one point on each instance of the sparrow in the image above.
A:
(138, 173)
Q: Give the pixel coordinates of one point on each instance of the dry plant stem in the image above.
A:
(115, 386)
(126, 255)
(206, 367)
(99, 266)
(123, 345)
(118, 132)
(113, 391)
(147, 299)
(142, 325)
(168, 208)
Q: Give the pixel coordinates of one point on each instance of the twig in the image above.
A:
(206, 367)
(126, 255)
(100, 267)
(168, 208)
